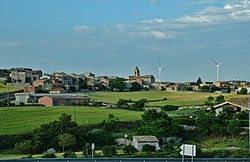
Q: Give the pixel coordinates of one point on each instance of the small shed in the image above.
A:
(139, 141)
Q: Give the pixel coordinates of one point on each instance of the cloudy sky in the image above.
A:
(114, 36)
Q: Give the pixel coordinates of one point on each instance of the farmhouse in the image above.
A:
(139, 141)
(63, 100)
(218, 108)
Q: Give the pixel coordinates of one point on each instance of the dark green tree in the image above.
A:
(219, 99)
(148, 148)
(158, 124)
(82, 83)
(135, 86)
(228, 89)
(24, 147)
(129, 150)
(243, 91)
(109, 151)
(227, 112)
(205, 88)
(117, 83)
(139, 105)
(209, 101)
(122, 103)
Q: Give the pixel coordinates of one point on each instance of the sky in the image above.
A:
(111, 37)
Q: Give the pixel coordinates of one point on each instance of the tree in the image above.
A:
(122, 103)
(209, 101)
(109, 151)
(205, 88)
(199, 81)
(69, 154)
(215, 88)
(66, 140)
(72, 89)
(158, 124)
(117, 83)
(148, 148)
(135, 86)
(228, 89)
(219, 99)
(227, 112)
(234, 127)
(82, 83)
(66, 123)
(139, 105)
(24, 147)
(129, 150)
(243, 91)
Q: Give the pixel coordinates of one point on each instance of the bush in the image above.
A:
(24, 147)
(184, 121)
(129, 150)
(69, 154)
(49, 155)
(169, 108)
(109, 151)
(148, 148)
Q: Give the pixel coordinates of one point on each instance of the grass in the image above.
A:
(6, 89)
(173, 98)
(25, 119)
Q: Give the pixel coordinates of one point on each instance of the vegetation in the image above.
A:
(109, 151)
(25, 119)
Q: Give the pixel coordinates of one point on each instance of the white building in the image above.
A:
(139, 141)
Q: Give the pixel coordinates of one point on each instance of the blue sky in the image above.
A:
(114, 36)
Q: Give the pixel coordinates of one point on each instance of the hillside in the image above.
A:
(183, 98)
(6, 89)
(25, 119)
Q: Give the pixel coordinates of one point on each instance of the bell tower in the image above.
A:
(136, 71)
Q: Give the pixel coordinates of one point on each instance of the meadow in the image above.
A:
(25, 119)
(183, 98)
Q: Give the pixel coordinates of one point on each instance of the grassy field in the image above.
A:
(173, 98)
(6, 89)
(25, 119)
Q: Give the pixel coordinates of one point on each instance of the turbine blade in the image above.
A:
(215, 62)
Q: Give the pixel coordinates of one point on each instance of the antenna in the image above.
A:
(217, 68)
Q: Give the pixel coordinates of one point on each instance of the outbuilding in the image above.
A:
(139, 141)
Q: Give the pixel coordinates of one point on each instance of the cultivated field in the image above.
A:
(25, 119)
(173, 98)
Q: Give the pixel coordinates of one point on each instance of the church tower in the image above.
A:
(136, 71)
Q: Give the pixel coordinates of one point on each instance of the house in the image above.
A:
(218, 108)
(43, 84)
(30, 89)
(24, 75)
(139, 141)
(57, 91)
(63, 100)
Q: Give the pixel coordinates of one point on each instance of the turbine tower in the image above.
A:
(217, 68)
(159, 72)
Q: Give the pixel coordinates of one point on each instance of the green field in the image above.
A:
(173, 98)
(6, 89)
(25, 119)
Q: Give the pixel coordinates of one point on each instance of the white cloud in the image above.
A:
(82, 28)
(158, 34)
(156, 20)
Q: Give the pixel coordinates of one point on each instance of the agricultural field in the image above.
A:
(25, 119)
(173, 98)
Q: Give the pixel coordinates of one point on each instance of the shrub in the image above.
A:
(129, 150)
(148, 148)
(69, 154)
(24, 147)
(109, 151)
(169, 108)
(185, 121)
(49, 155)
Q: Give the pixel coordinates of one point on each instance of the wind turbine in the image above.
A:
(217, 67)
(159, 72)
